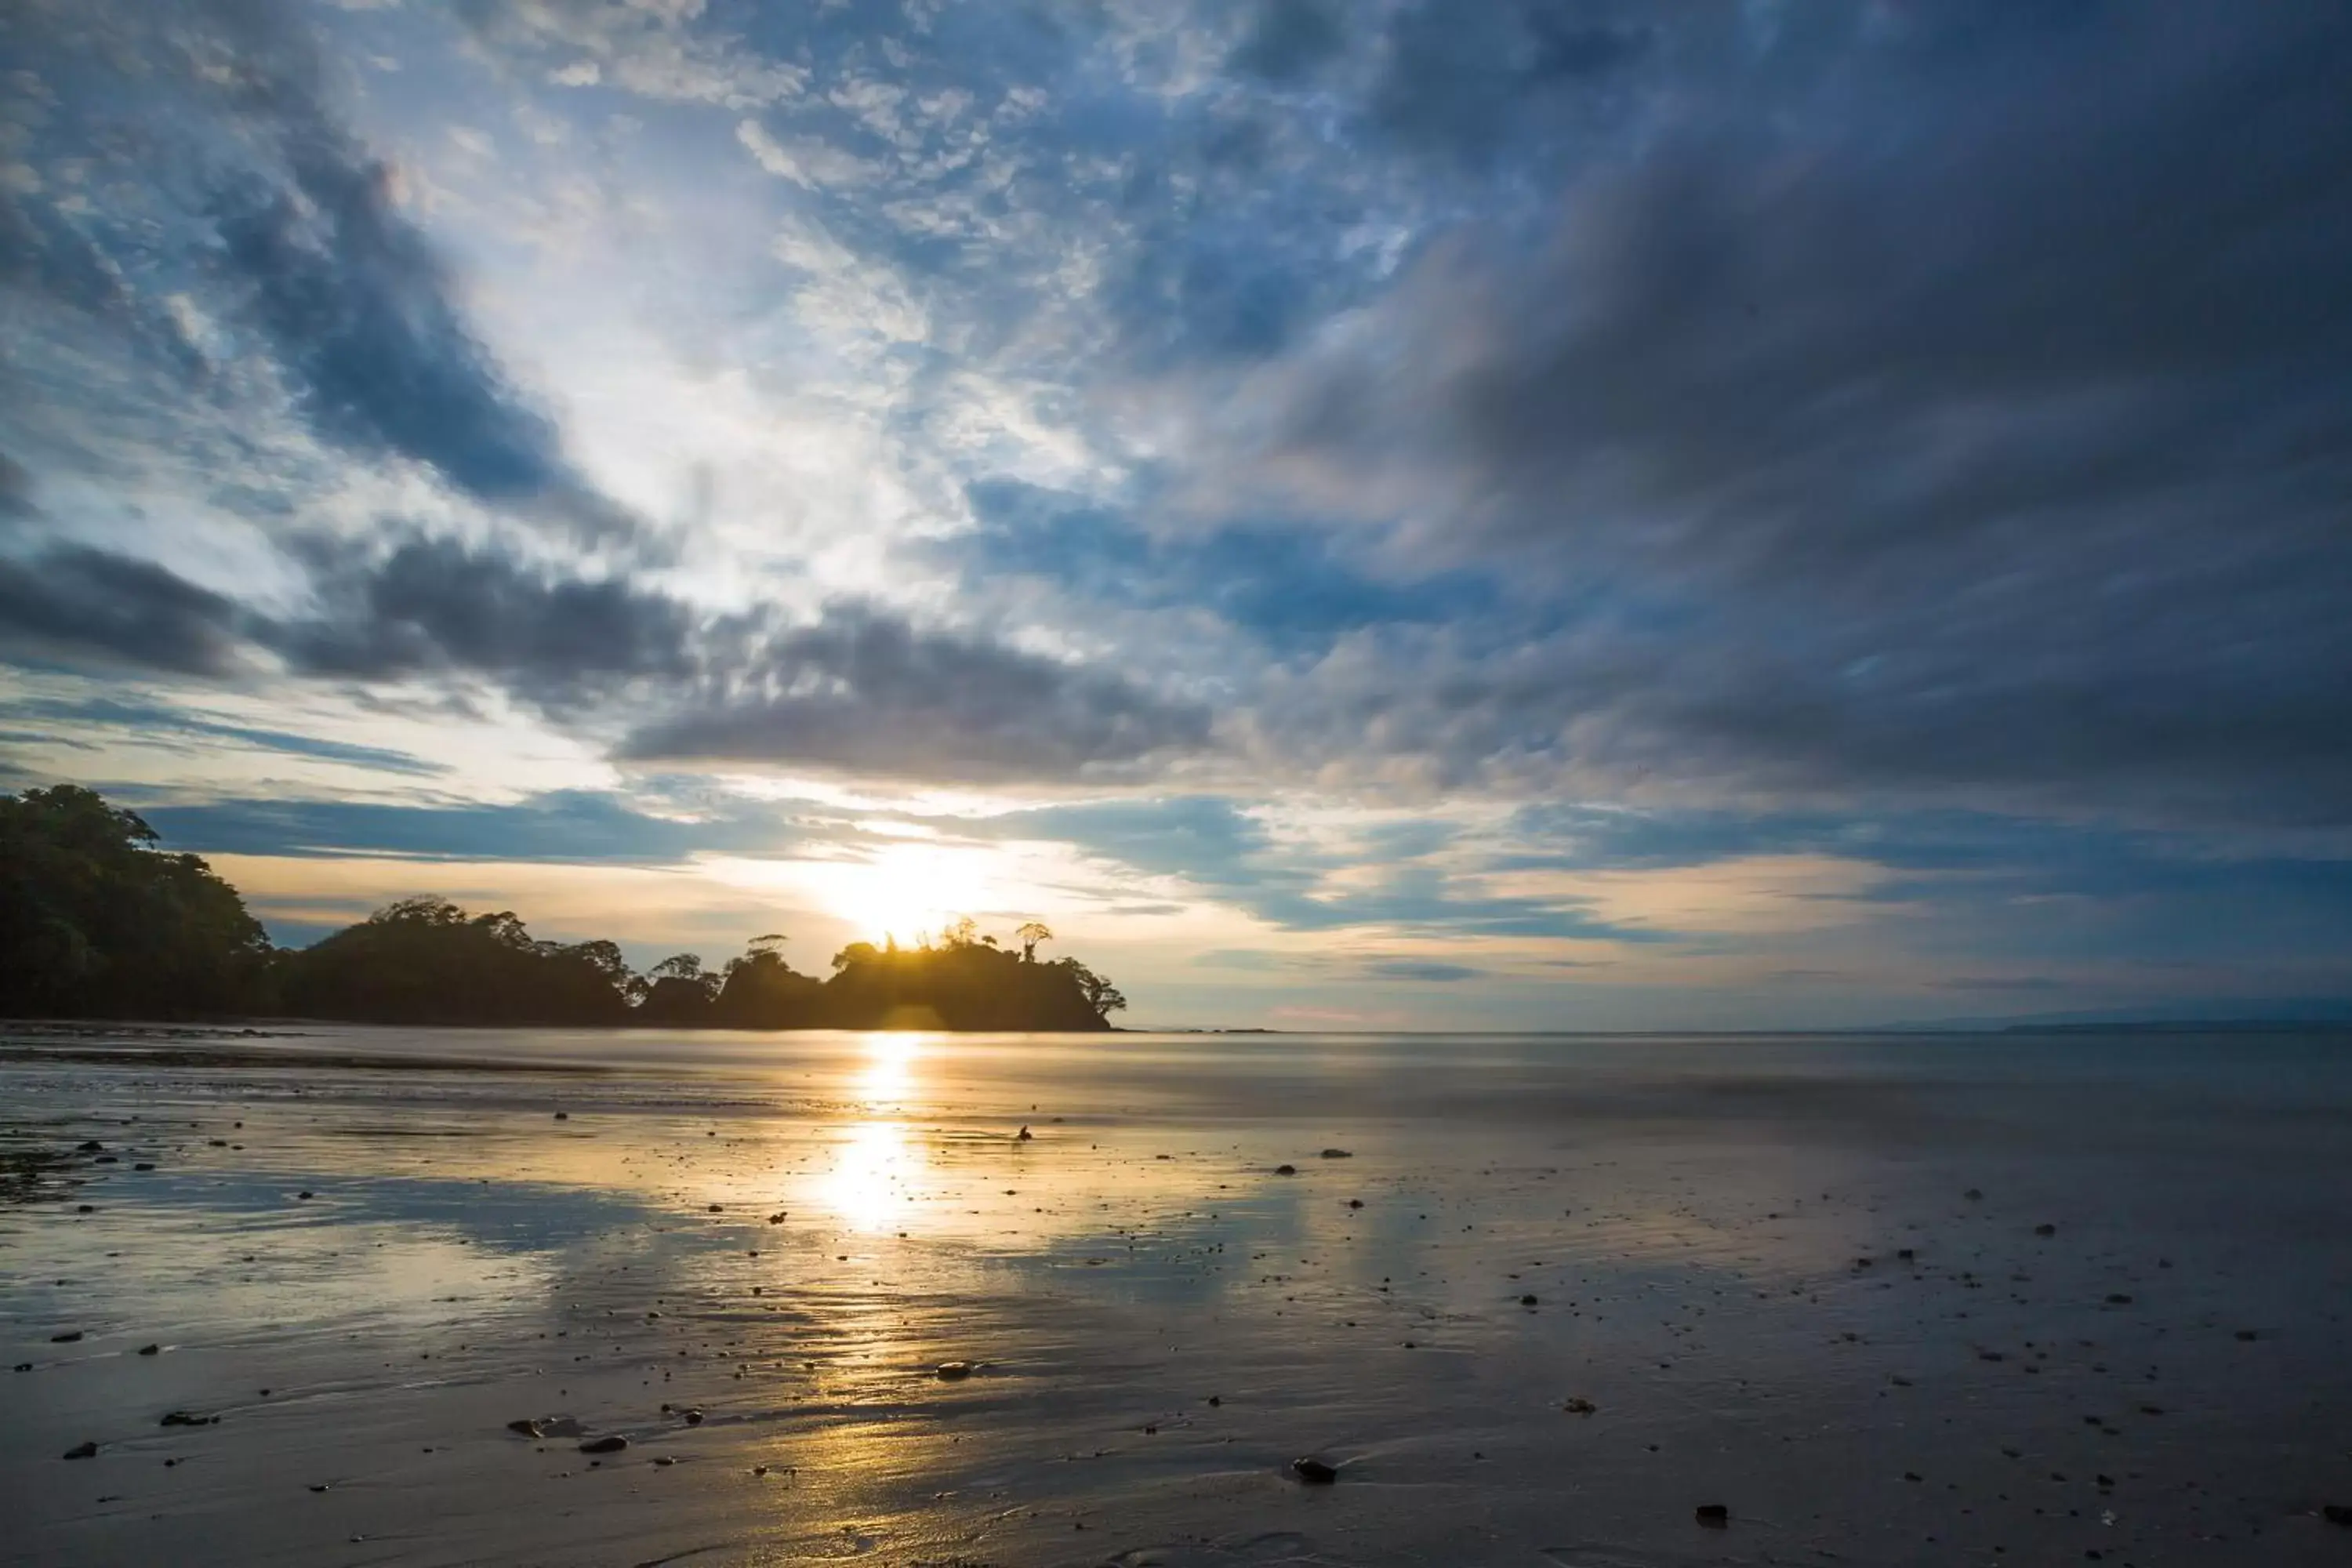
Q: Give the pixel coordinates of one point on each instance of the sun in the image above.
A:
(908, 891)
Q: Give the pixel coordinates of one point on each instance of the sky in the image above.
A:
(1394, 514)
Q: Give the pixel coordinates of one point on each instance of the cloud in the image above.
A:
(866, 691)
(236, 189)
(1968, 417)
(561, 826)
(1287, 39)
(76, 600)
(1428, 971)
(1234, 854)
(154, 721)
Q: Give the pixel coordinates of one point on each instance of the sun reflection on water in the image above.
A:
(879, 1156)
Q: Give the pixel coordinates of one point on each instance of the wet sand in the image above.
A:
(1895, 1301)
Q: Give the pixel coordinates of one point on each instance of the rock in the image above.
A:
(954, 1370)
(305, 1195)
(1714, 1515)
(717, 1208)
(563, 1115)
(665, 1461)
(321, 1486)
(612, 1444)
(693, 1417)
(2118, 1298)
(82, 1451)
(1354, 1203)
(2247, 1335)
(1580, 1406)
(1286, 1170)
(780, 1216)
(1974, 1194)
(2045, 1229)
(1528, 1300)
(89, 1146)
(1339, 1153)
(71, 1335)
(144, 1165)
(2337, 1513)
(188, 1418)
(1314, 1472)
(1025, 1135)
(527, 1428)
(24, 1366)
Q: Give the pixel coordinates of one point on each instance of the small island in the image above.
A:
(98, 921)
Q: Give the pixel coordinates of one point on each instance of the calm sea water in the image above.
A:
(1906, 1299)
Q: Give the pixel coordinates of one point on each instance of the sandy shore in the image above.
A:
(1892, 1302)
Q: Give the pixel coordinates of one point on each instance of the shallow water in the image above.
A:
(789, 1232)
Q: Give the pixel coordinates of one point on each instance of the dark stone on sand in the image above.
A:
(2247, 1335)
(82, 1451)
(150, 1350)
(188, 1418)
(1286, 1170)
(1580, 1406)
(718, 1208)
(144, 1165)
(321, 1486)
(306, 1194)
(1025, 1135)
(24, 1366)
(1215, 1399)
(2337, 1513)
(1714, 1515)
(1974, 1194)
(1905, 1255)
(2045, 1230)
(954, 1370)
(612, 1444)
(89, 1146)
(1528, 1300)
(2118, 1298)
(69, 1337)
(563, 1115)
(665, 1461)
(1354, 1203)
(86, 1208)
(693, 1417)
(1314, 1472)
(527, 1428)
(1339, 1153)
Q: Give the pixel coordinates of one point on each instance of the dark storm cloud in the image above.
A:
(548, 632)
(1974, 415)
(78, 602)
(865, 691)
(15, 488)
(1475, 80)
(860, 689)
(1287, 38)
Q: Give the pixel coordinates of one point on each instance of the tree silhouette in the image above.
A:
(95, 920)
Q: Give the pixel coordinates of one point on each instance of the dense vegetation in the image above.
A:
(94, 919)
(95, 922)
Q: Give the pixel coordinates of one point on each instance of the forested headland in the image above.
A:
(98, 921)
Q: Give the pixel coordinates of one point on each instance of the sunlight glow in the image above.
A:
(907, 891)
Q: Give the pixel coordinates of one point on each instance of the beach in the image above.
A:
(1533, 1300)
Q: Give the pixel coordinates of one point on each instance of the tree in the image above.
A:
(1031, 933)
(95, 920)
(1100, 994)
